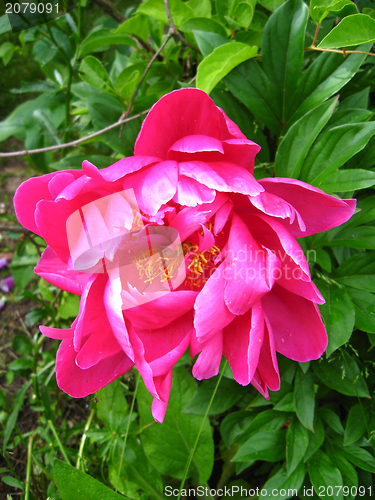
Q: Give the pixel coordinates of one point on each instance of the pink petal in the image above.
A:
(153, 186)
(28, 195)
(222, 176)
(161, 311)
(211, 313)
(58, 333)
(79, 383)
(222, 216)
(273, 235)
(245, 269)
(243, 340)
(274, 206)
(191, 193)
(208, 363)
(59, 182)
(57, 272)
(296, 325)
(229, 130)
(159, 406)
(191, 144)
(291, 280)
(126, 166)
(176, 115)
(267, 366)
(100, 345)
(319, 211)
(113, 307)
(260, 385)
(241, 152)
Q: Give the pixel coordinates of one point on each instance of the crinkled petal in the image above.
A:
(100, 345)
(181, 113)
(208, 363)
(79, 383)
(319, 211)
(191, 193)
(153, 186)
(241, 152)
(191, 144)
(222, 176)
(296, 325)
(159, 406)
(243, 340)
(229, 130)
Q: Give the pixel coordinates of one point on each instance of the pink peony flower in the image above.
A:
(179, 245)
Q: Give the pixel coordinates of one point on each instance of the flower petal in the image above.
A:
(319, 211)
(222, 176)
(275, 206)
(100, 345)
(191, 193)
(159, 406)
(243, 340)
(241, 152)
(267, 366)
(211, 313)
(296, 325)
(178, 114)
(208, 363)
(79, 383)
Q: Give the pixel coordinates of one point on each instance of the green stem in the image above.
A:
(41, 467)
(62, 449)
(83, 439)
(200, 432)
(28, 467)
(38, 345)
(127, 429)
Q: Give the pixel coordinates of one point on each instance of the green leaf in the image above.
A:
(357, 100)
(297, 441)
(267, 420)
(70, 307)
(332, 419)
(222, 60)
(304, 398)
(289, 483)
(323, 474)
(112, 407)
(271, 5)
(234, 425)
(358, 272)
(335, 147)
(316, 438)
(319, 9)
(137, 25)
(168, 446)
(298, 140)
(357, 237)
(13, 482)
(351, 31)
(342, 374)
(4, 24)
(75, 162)
(208, 42)
(136, 472)
(74, 484)
(348, 180)
(324, 78)
(201, 8)
(286, 403)
(282, 47)
(18, 402)
(338, 314)
(93, 72)
(364, 305)
(180, 11)
(355, 425)
(266, 445)
(227, 394)
(359, 457)
(104, 38)
(204, 24)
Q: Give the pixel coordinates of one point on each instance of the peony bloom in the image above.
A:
(179, 245)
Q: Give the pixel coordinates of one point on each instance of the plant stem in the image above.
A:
(340, 51)
(200, 431)
(62, 449)
(83, 439)
(127, 428)
(28, 467)
(35, 364)
(316, 34)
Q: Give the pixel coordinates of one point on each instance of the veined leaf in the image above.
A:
(104, 38)
(351, 31)
(348, 180)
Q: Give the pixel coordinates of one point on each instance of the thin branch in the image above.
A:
(73, 143)
(134, 96)
(175, 30)
(316, 34)
(111, 11)
(341, 51)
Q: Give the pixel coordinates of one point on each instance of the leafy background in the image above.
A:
(299, 79)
